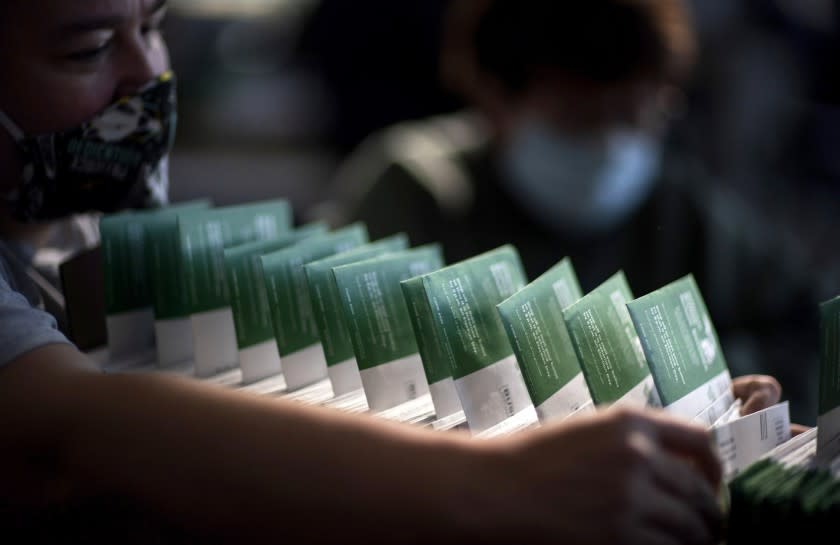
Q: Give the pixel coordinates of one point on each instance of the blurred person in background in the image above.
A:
(568, 149)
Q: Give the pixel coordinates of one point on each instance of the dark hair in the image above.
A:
(599, 41)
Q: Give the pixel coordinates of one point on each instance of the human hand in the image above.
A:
(619, 476)
(756, 392)
(796, 429)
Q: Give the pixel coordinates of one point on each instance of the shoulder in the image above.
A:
(24, 326)
(424, 158)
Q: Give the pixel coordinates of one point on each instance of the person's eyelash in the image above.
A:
(87, 55)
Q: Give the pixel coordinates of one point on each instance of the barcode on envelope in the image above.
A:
(508, 400)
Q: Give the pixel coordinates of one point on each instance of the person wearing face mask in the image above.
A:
(115, 161)
(568, 146)
(88, 119)
(561, 150)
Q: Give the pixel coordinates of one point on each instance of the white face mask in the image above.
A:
(580, 186)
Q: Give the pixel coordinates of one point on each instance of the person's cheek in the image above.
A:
(91, 98)
(59, 102)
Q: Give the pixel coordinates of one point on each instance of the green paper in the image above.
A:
(249, 301)
(429, 343)
(374, 308)
(287, 289)
(534, 323)
(127, 282)
(828, 420)
(681, 345)
(203, 236)
(829, 394)
(326, 300)
(605, 341)
(464, 298)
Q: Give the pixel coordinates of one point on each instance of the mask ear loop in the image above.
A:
(10, 126)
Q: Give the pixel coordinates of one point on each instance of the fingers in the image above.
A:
(685, 439)
(670, 498)
(683, 482)
(668, 517)
(758, 400)
(756, 392)
(664, 480)
(743, 386)
(674, 497)
(796, 429)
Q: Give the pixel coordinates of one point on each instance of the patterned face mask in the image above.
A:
(116, 160)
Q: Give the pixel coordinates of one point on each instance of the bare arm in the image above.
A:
(250, 469)
(206, 456)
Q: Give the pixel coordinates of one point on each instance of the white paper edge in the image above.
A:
(693, 403)
(569, 398)
(751, 437)
(445, 398)
(482, 398)
(304, 367)
(174, 340)
(130, 333)
(260, 361)
(214, 342)
(345, 377)
(639, 395)
(395, 382)
(828, 436)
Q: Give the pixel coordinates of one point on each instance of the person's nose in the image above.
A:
(142, 60)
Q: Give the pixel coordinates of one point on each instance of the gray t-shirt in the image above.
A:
(23, 325)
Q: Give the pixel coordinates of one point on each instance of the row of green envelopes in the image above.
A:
(239, 287)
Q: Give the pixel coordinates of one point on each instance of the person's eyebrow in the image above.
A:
(89, 24)
(105, 21)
